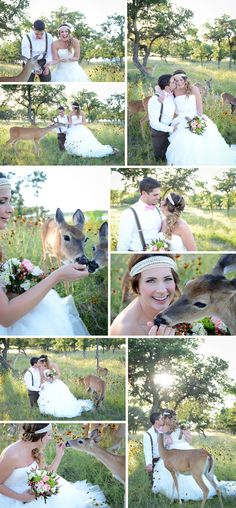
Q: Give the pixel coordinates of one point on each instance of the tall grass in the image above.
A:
(90, 294)
(50, 155)
(212, 232)
(223, 448)
(14, 403)
(77, 466)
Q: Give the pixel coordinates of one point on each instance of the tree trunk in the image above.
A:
(136, 61)
(97, 354)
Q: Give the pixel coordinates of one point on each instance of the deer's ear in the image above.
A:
(103, 230)
(79, 218)
(59, 216)
(188, 282)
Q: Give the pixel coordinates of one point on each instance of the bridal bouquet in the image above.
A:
(42, 483)
(196, 125)
(158, 245)
(18, 275)
(50, 373)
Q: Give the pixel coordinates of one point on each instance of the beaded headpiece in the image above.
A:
(4, 183)
(45, 429)
(152, 262)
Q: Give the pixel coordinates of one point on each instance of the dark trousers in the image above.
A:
(61, 137)
(160, 143)
(33, 397)
(42, 78)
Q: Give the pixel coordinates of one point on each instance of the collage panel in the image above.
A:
(181, 83)
(55, 243)
(182, 420)
(172, 294)
(63, 464)
(60, 379)
(179, 209)
(90, 116)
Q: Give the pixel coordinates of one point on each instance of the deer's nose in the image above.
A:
(159, 320)
(82, 260)
(67, 444)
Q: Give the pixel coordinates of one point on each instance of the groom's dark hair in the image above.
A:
(39, 25)
(154, 417)
(33, 361)
(148, 184)
(164, 80)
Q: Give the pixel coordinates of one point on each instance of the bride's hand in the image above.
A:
(60, 450)
(160, 330)
(27, 496)
(72, 272)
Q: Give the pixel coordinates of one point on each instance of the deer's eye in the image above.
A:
(200, 305)
(66, 238)
(93, 248)
(80, 441)
(86, 238)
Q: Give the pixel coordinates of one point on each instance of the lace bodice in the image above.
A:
(76, 120)
(186, 105)
(18, 480)
(65, 53)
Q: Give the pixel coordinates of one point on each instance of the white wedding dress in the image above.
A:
(52, 316)
(82, 142)
(72, 495)
(55, 399)
(187, 148)
(176, 244)
(188, 488)
(68, 71)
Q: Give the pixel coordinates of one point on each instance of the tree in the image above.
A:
(116, 106)
(35, 101)
(223, 29)
(183, 179)
(34, 180)
(109, 41)
(149, 21)
(227, 185)
(195, 378)
(11, 14)
(90, 104)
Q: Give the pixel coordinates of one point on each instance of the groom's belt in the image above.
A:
(155, 460)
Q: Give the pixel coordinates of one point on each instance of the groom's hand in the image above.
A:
(149, 468)
(46, 70)
(175, 127)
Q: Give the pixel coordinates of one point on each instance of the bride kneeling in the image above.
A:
(25, 457)
(55, 398)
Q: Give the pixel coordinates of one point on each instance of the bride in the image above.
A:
(55, 398)
(176, 230)
(39, 310)
(186, 147)
(66, 53)
(153, 280)
(19, 458)
(80, 140)
(176, 438)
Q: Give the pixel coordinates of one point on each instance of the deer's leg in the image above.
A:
(142, 122)
(15, 147)
(175, 485)
(36, 146)
(211, 480)
(205, 491)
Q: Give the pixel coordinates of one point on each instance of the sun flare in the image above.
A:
(163, 379)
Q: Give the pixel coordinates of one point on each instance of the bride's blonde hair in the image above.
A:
(71, 39)
(175, 211)
(28, 434)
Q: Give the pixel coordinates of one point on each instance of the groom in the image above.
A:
(32, 380)
(38, 42)
(161, 109)
(141, 223)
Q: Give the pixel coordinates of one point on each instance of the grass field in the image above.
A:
(95, 71)
(77, 466)
(223, 80)
(90, 294)
(211, 232)
(14, 403)
(50, 154)
(223, 448)
(189, 267)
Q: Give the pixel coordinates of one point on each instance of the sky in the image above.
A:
(223, 347)
(69, 188)
(208, 10)
(95, 12)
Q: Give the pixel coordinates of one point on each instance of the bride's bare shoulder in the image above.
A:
(11, 452)
(123, 324)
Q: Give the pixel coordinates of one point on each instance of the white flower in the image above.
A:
(198, 329)
(36, 271)
(25, 285)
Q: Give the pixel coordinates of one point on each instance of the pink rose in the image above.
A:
(154, 248)
(47, 487)
(27, 264)
(45, 478)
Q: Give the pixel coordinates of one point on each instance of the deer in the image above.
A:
(195, 462)
(96, 385)
(100, 251)
(34, 134)
(64, 241)
(139, 106)
(23, 76)
(206, 296)
(228, 98)
(115, 463)
(108, 433)
(102, 371)
(205, 87)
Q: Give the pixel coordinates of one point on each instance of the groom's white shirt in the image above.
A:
(38, 46)
(147, 446)
(62, 119)
(150, 221)
(35, 386)
(154, 110)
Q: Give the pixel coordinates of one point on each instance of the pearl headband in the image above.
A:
(45, 429)
(152, 261)
(64, 27)
(4, 182)
(170, 199)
